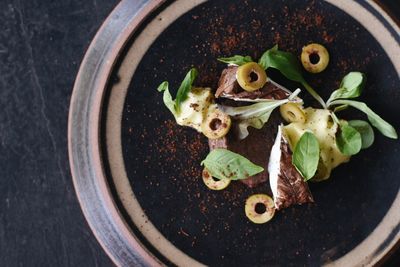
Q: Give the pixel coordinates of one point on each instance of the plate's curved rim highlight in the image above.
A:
(89, 178)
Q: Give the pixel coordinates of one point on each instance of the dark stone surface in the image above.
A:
(41, 45)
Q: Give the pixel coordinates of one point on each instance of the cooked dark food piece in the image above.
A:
(227, 83)
(228, 87)
(256, 147)
(258, 144)
(218, 143)
(287, 184)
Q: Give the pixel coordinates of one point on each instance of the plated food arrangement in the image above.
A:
(308, 148)
(263, 94)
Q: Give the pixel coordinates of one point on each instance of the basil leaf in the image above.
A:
(167, 98)
(289, 66)
(236, 60)
(348, 140)
(225, 164)
(350, 87)
(384, 127)
(306, 155)
(366, 132)
(185, 88)
(285, 62)
(255, 115)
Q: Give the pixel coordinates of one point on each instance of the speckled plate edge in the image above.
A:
(89, 179)
(90, 182)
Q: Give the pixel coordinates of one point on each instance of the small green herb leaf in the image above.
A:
(289, 66)
(285, 62)
(167, 98)
(348, 140)
(185, 88)
(225, 164)
(351, 86)
(236, 60)
(366, 132)
(306, 155)
(384, 127)
(353, 83)
(340, 108)
(163, 86)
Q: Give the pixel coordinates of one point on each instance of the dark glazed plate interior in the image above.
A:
(158, 162)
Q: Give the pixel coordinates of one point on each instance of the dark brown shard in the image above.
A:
(287, 184)
(218, 143)
(228, 87)
(227, 83)
(256, 147)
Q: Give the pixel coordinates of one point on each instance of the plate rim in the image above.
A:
(83, 140)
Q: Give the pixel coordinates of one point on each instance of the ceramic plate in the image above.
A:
(138, 176)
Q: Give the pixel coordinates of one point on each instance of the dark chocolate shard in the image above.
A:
(227, 83)
(287, 184)
(256, 147)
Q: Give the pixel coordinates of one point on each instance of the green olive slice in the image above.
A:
(216, 124)
(292, 112)
(251, 76)
(315, 58)
(212, 183)
(259, 208)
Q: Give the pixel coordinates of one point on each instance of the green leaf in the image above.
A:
(350, 87)
(236, 60)
(163, 86)
(255, 115)
(306, 155)
(285, 62)
(289, 66)
(185, 88)
(348, 140)
(225, 164)
(366, 132)
(340, 108)
(167, 98)
(384, 127)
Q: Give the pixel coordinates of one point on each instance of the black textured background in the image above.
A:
(41, 45)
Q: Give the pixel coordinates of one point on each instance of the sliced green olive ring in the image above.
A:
(315, 58)
(213, 184)
(251, 76)
(259, 208)
(292, 112)
(216, 124)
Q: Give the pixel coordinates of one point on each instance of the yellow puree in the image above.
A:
(195, 108)
(320, 123)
